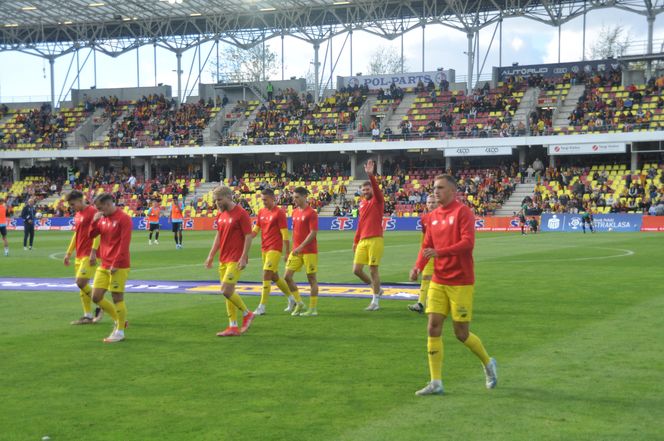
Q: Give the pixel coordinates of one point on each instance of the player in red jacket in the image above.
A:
(449, 240)
(368, 244)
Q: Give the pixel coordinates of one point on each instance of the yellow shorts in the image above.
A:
(111, 282)
(82, 268)
(442, 299)
(271, 260)
(428, 269)
(309, 261)
(369, 251)
(229, 273)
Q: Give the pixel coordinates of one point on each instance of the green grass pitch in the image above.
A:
(574, 321)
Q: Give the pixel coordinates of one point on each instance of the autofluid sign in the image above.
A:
(478, 151)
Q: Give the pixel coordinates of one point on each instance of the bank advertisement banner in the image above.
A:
(602, 222)
(602, 148)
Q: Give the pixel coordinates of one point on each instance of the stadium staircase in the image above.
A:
(213, 130)
(513, 204)
(239, 128)
(562, 112)
(83, 134)
(399, 113)
(526, 106)
(101, 132)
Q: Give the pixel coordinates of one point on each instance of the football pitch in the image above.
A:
(574, 322)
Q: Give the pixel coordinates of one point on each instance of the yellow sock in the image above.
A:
(108, 308)
(121, 308)
(232, 312)
(283, 286)
(313, 302)
(435, 351)
(474, 343)
(86, 300)
(296, 295)
(236, 300)
(265, 293)
(424, 291)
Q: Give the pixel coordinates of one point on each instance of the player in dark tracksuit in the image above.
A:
(28, 215)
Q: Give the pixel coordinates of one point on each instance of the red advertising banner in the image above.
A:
(652, 223)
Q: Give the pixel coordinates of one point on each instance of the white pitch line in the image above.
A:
(624, 253)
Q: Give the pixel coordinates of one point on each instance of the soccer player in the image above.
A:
(177, 207)
(450, 240)
(29, 215)
(534, 225)
(587, 218)
(272, 224)
(86, 252)
(153, 222)
(3, 225)
(427, 272)
(305, 250)
(523, 223)
(114, 226)
(233, 240)
(368, 244)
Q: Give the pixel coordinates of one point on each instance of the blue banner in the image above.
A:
(602, 222)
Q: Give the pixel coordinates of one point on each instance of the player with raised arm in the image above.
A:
(305, 250)
(450, 240)
(177, 219)
(154, 212)
(271, 222)
(86, 252)
(368, 243)
(114, 226)
(427, 272)
(3, 225)
(232, 241)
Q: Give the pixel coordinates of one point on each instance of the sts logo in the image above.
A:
(389, 224)
(514, 222)
(215, 226)
(342, 223)
(143, 223)
(43, 223)
(418, 226)
(479, 223)
(72, 223)
(188, 224)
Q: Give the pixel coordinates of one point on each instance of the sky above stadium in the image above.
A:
(26, 78)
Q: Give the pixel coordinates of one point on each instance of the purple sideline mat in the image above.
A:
(392, 291)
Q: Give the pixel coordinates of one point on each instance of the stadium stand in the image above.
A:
(156, 121)
(600, 189)
(32, 128)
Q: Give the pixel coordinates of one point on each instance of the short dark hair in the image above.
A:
(268, 192)
(103, 198)
(449, 178)
(73, 195)
(301, 191)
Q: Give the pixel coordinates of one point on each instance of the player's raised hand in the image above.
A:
(414, 273)
(369, 167)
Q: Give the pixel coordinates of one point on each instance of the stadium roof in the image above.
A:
(54, 27)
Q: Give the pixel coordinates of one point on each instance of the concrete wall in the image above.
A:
(123, 93)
